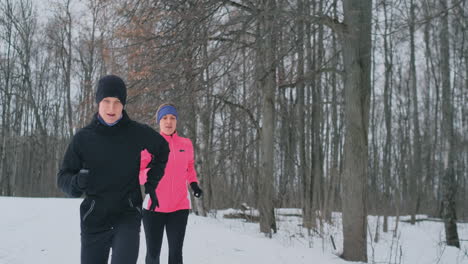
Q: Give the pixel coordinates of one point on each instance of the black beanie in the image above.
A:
(111, 86)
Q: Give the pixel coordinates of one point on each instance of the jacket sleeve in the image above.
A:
(191, 172)
(67, 175)
(160, 154)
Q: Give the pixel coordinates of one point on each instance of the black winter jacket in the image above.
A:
(112, 156)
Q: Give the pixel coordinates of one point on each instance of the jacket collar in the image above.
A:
(110, 129)
(170, 137)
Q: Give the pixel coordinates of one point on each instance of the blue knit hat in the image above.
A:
(166, 110)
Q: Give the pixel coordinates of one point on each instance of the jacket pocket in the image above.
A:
(89, 211)
(93, 212)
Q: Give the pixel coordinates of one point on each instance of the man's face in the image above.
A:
(110, 109)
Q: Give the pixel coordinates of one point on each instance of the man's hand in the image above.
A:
(81, 179)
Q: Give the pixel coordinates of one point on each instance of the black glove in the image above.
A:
(150, 189)
(197, 192)
(81, 179)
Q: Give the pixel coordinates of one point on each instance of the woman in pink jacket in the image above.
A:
(173, 200)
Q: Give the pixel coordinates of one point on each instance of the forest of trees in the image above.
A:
(356, 106)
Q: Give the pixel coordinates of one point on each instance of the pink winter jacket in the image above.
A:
(180, 171)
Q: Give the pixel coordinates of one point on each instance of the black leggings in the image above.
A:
(154, 223)
(123, 238)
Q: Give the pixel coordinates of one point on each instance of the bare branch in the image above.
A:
(245, 109)
(309, 77)
(241, 6)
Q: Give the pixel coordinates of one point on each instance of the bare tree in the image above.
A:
(387, 151)
(307, 209)
(449, 182)
(415, 175)
(89, 43)
(357, 57)
(267, 83)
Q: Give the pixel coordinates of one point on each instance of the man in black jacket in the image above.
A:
(102, 161)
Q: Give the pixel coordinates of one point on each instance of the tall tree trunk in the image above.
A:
(268, 83)
(309, 176)
(66, 57)
(205, 156)
(387, 153)
(428, 123)
(449, 182)
(357, 61)
(334, 167)
(87, 55)
(307, 192)
(287, 135)
(415, 175)
(375, 197)
(317, 117)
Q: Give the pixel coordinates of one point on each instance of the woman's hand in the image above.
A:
(197, 192)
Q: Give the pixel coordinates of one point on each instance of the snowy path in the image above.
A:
(46, 231)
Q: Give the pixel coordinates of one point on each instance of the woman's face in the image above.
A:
(168, 124)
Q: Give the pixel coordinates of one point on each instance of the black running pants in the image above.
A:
(154, 224)
(123, 237)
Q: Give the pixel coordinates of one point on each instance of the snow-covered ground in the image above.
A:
(46, 230)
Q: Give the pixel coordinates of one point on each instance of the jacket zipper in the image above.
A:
(173, 158)
(89, 210)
